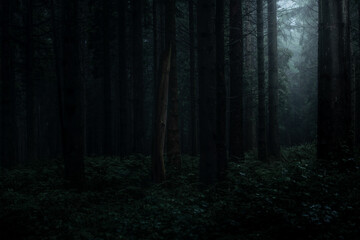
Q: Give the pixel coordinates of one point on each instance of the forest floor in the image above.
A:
(288, 199)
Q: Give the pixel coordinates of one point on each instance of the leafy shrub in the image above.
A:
(288, 199)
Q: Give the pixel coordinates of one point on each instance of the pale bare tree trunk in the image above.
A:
(157, 156)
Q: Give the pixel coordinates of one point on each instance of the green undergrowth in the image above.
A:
(287, 199)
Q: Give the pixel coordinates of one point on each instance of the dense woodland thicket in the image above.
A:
(179, 119)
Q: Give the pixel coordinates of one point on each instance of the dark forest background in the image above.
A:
(179, 119)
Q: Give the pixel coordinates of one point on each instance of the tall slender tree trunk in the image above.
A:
(73, 99)
(236, 80)
(357, 92)
(334, 89)
(173, 134)
(8, 104)
(221, 89)
(274, 141)
(262, 154)
(138, 76)
(162, 23)
(123, 79)
(107, 102)
(57, 48)
(193, 128)
(157, 4)
(157, 156)
(249, 81)
(206, 11)
(28, 74)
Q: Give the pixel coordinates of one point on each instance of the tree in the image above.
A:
(334, 81)
(157, 5)
(8, 99)
(123, 79)
(193, 122)
(57, 48)
(262, 154)
(236, 148)
(357, 90)
(274, 141)
(138, 76)
(157, 156)
(28, 73)
(107, 103)
(207, 90)
(250, 82)
(73, 99)
(221, 89)
(173, 134)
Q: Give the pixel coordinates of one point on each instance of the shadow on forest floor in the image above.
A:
(284, 200)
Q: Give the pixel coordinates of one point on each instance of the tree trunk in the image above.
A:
(157, 4)
(57, 48)
(123, 79)
(236, 80)
(207, 90)
(138, 76)
(158, 167)
(193, 128)
(221, 89)
(334, 89)
(249, 82)
(262, 154)
(274, 144)
(28, 74)
(173, 134)
(8, 100)
(107, 103)
(357, 91)
(73, 100)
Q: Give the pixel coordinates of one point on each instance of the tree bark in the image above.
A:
(57, 48)
(123, 79)
(334, 89)
(262, 154)
(193, 125)
(173, 134)
(249, 81)
(221, 89)
(8, 100)
(73, 100)
(29, 54)
(157, 4)
(107, 102)
(236, 147)
(138, 76)
(158, 167)
(207, 90)
(357, 91)
(274, 141)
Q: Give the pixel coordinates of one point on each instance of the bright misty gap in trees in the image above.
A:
(180, 119)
